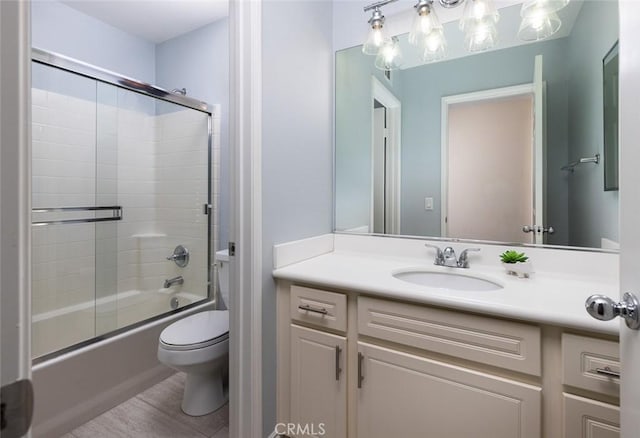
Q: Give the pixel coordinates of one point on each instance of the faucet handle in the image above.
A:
(463, 261)
(439, 254)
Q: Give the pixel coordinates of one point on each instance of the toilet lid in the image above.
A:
(197, 331)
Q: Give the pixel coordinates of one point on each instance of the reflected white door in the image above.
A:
(490, 174)
(539, 155)
(629, 210)
(15, 223)
(379, 169)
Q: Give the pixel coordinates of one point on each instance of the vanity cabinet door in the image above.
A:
(318, 383)
(586, 418)
(402, 395)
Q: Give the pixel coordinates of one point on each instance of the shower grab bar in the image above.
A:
(117, 215)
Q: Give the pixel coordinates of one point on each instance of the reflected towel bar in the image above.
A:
(571, 166)
(117, 215)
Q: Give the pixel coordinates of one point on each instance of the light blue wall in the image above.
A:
(297, 147)
(422, 91)
(199, 62)
(593, 213)
(58, 28)
(353, 135)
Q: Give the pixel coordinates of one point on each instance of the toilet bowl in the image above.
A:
(198, 345)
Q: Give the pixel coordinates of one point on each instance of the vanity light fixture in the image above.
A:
(482, 36)
(479, 25)
(539, 19)
(424, 23)
(477, 12)
(435, 46)
(427, 33)
(389, 56)
(545, 6)
(377, 37)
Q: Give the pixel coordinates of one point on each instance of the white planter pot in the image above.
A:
(520, 269)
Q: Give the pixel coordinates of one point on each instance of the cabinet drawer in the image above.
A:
(319, 307)
(586, 418)
(582, 356)
(504, 344)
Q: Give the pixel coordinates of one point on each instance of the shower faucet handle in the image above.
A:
(180, 256)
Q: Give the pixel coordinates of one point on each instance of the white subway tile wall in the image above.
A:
(154, 166)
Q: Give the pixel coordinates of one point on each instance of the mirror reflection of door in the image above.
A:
(380, 171)
(386, 112)
(481, 206)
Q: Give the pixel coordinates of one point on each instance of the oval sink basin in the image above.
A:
(447, 280)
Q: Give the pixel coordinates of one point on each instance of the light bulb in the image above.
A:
(389, 57)
(435, 46)
(482, 36)
(478, 10)
(424, 22)
(538, 26)
(377, 35)
(547, 7)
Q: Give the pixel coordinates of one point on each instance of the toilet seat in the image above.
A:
(196, 331)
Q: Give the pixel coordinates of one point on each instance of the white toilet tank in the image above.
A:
(222, 260)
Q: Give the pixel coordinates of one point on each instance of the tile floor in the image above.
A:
(155, 413)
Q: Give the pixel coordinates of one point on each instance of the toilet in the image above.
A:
(198, 345)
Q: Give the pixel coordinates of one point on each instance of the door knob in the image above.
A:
(537, 229)
(604, 308)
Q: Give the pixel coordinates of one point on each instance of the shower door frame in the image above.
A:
(98, 74)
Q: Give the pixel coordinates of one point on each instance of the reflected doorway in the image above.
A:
(385, 161)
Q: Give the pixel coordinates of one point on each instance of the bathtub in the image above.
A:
(79, 384)
(61, 328)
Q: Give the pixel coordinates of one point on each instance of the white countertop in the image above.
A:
(547, 297)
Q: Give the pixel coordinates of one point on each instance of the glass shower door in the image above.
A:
(66, 214)
(120, 179)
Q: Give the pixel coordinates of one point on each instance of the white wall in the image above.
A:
(297, 63)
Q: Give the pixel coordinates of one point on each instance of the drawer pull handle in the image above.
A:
(360, 375)
(338, 369)
(606, 371)
(309, 308)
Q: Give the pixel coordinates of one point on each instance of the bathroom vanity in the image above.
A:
(368, 355)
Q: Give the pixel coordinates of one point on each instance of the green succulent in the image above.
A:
(512, 256)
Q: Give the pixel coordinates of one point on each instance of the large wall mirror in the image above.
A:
(504, 145)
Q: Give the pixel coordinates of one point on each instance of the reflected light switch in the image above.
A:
(428, 203)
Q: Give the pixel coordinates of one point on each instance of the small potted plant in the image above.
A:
(516, 263)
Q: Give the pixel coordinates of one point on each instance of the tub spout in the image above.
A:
(171, 281)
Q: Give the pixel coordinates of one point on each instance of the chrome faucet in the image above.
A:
(450, 259)
(448, 256)
(175, 280)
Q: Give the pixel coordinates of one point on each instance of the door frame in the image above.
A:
(447, 101)
(393, 105)
(245, 222)
(15, 190)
